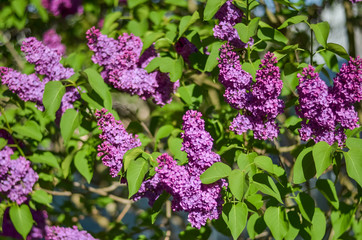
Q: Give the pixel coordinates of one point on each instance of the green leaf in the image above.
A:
(212, 6)
(321, 31)
(251, 67)
(149, 39)
(186, 22)
(256, 200)
(304, 167)
(52, 97)
(256, 225)
(268, 33)
(135, 174)
(22, 219)
(294, 225)
(167, 65)
(293, 20)
(246, 162)
(134, 3)
(266, 164)
(175, 144)
(341, 221)
(163, 132)
(354, 159)
(42, 197)
(66, 164)
(211, 61)
(306, 205)
(245, 32)
(68, 123)
(3, 207)
(180, 3)
(3, 143)
(41, 10)
(83, 164)
(157, 206)
(338, 49)
(191, 94)
(45, 158)
(215, 172)
(266, 185)
(31, 130)
(237, 219)
(99, 86)
(326, 187)
(318, 228)
(236, 183)
(275, 219)
(130, 156)
(19, 7)
(109, 20)
(322, 155)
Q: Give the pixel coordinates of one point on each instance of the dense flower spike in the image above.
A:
(327, 112)
(229, 15)
(185, 48)
(63, 7)
(46, 60)
(62, 233)
(17, 178)
(47, 63)
(201, 201)
(52, 40)
(124, 66)
(116, 141)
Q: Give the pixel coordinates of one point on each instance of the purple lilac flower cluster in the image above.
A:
(47, 63)
(327, 112)
(62, 233)
(201, 201)
(63, 7)
(52, 40)
(260, 101)
(17, 178)
(124, 66)
(185, 48)
(228, 16)
(116, 141)
(355, 1)
(38, 230)
(262, 106)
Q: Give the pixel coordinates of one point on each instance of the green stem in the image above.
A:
(311, 47)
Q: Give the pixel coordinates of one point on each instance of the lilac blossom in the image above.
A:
(116, 141)
(52, 40)
(327, 112)
(17, 178)
(355, 1)
(63, 233)
(262, 104)
(47, 63)
(229, 15)
(185, 48)
(123, 66)
(63, 7)
(183, 183)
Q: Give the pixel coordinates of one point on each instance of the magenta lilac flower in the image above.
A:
(355, 1)
(183, 183)
(185, 48)
(63, 7)
(17, 178)
(228, 16)
(123, 66)
(52, 40)
(262, 104)
(63, 233)
(327, 112)
(116, 141)
(47, 63)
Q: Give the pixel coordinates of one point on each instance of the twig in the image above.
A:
(13, 52)
(168, 217)
(123, 213)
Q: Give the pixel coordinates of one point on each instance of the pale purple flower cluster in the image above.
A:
(63, 233)
(116, 141)
(47, 63)
(327, 112)
(259, 102)
(123, 66)
(17, 178)
(52, 40)
(201, 201)
(185, 48)
(63, 7)
(38, 230)
(263, 105)
(228, 16)
(355, 1)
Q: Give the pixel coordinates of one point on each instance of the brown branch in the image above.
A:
(123, 213)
